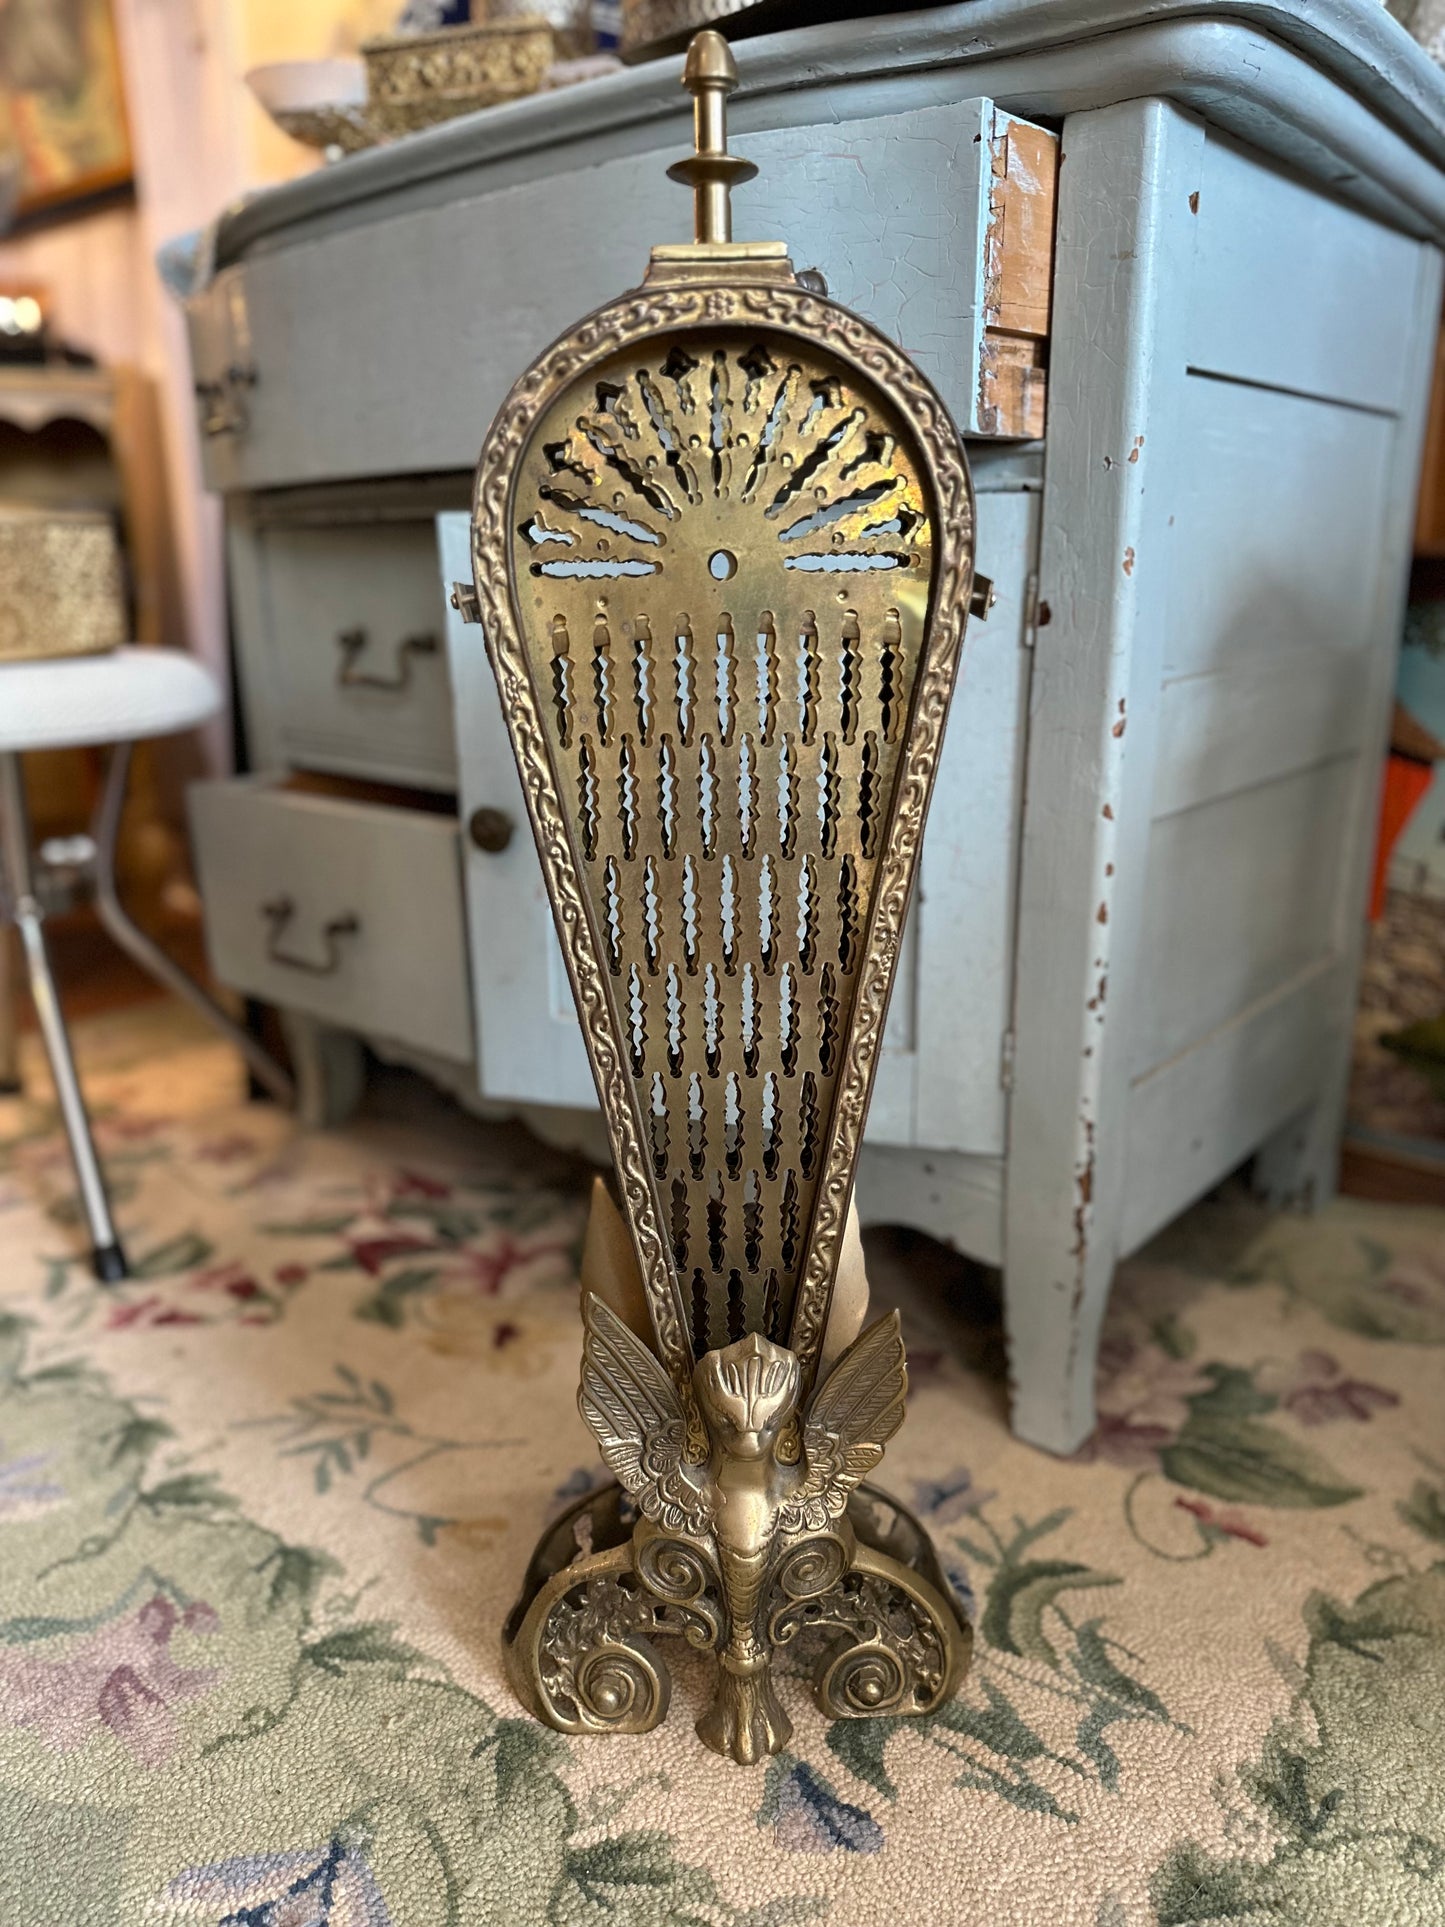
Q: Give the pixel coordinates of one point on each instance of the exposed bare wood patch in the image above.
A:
(1018, 278)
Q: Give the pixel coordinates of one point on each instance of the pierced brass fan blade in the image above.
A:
(722, 545)
(723, 573)
(723, 554)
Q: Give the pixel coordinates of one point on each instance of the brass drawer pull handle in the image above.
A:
(351, 643)
(279, 912)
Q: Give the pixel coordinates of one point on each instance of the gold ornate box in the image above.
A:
(62, 589)
(415, 80)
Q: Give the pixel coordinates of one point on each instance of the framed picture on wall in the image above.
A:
(63, 129)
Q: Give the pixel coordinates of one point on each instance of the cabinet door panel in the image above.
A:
(963, 987)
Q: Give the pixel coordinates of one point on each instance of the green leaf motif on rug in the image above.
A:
(1347, 1784)
(1424, 1509)
(1013, 1619)
(1249, 1463)
(1030, 1722)
(184, 1709)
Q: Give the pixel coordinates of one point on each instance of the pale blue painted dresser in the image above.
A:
(1134, 957)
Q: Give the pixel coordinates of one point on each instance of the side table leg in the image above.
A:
(107, 1257)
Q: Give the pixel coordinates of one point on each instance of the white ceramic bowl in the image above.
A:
(302, 86)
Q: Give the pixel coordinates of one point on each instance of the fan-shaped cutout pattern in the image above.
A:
(722, 556)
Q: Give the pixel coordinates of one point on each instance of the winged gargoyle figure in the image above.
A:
(755, 1491)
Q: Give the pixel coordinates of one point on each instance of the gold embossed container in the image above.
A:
(62, 589)
(570, 20)
(416, 80)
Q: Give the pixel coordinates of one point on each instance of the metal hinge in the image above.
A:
(983, 597)
(1006, 1061)
(464, 601)
(1031, 611)
(223, 405)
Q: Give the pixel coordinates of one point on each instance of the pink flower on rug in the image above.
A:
(1144, 1396)
(1221, 1525)
(1316, 1390)
(416, 1184)
(519, 1264)
(231, 1149)
(1119, 1441)
(1417, 1279)
(122, 1129)
(232, 1278)
(372, 1253)
(148, 1311)
(122, 1677)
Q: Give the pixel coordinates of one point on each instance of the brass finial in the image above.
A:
(710, 75)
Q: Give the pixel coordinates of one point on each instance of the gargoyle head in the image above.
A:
(748, 1391)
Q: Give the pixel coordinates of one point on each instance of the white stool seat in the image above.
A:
(123, 697)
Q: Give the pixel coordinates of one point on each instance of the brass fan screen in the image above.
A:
(721, 561)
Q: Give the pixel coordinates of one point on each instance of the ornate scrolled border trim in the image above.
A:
(640, 315)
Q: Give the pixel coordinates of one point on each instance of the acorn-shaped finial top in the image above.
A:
(710, 75)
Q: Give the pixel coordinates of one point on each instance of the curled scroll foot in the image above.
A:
(867, 1604)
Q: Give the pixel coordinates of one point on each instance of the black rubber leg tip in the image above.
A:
(109, 1265)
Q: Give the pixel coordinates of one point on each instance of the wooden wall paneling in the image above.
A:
(138, 442)
(1124, 284)
(1256, 721)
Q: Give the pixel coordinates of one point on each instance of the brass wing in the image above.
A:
(636, 1415)
(853, 1415)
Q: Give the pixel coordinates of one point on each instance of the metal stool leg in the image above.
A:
(107, 1256)
(9, 1011)
(149, 955)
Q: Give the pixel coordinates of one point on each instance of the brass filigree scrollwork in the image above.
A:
(722, 553)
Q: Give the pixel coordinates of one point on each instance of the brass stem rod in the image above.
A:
(712, 199)
(710, 75)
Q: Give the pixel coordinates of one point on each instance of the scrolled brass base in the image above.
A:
(866, 1601)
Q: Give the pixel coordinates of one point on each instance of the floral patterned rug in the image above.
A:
(264, 1507)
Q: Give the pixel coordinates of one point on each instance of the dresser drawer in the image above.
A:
(385, 345)
(350, 911)
(342, 625)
